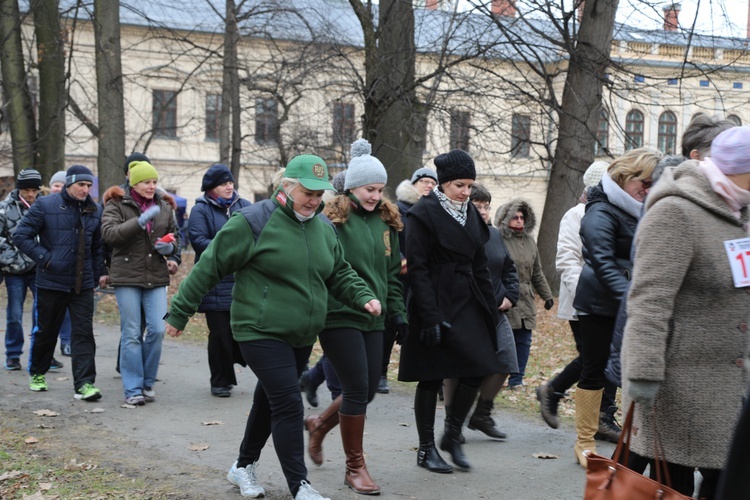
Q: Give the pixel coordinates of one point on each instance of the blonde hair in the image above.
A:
(338, 209)
(634, 164)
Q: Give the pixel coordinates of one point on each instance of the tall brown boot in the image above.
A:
(357, 477)
(318, 426)
(587, 422)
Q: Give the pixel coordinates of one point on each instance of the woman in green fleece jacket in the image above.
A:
(285, 261)
(368, 227)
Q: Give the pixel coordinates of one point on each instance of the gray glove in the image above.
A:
(644, 391)
(149, 214)
(164, 248)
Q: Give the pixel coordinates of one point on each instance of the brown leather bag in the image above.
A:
(610, 479)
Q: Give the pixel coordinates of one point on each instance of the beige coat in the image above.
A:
(522, 249)
(687, 324)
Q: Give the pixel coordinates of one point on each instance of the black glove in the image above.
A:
(548, 304)
(433, 335)
(401, 327)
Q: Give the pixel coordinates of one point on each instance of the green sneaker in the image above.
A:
(38, 383)
(89, 393)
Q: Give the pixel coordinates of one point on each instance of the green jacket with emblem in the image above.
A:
(284, 270)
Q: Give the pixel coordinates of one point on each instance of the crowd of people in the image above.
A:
(652, 282)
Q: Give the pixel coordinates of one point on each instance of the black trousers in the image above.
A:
(52, 305)
(572, 373)
(356, 357)
(596, 336)
(277, 407)
(221, 349)
(389, 338)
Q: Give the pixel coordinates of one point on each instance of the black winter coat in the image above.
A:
(502, 269)
(69, 253)
(448, 281)
(607, 235)
(206, 218)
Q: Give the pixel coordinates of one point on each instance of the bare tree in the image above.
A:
(109, 84)
(230, 134)
(19, 111)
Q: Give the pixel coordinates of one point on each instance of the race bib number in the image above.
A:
(738, 252)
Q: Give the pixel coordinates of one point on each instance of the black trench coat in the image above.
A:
(449, 281)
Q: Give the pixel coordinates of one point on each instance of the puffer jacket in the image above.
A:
(607, 235)
(523, 250)
(569, 260)
(206, 218)
(12, 260)
(135, 261)
(63, 236)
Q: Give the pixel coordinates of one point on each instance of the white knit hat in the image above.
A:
(594, 173)
(364, 168)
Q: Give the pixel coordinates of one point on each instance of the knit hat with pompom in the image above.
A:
(364, 168)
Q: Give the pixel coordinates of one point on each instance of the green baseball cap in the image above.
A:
(311, 171)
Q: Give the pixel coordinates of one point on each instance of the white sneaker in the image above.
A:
(244, 477)
(307, 492)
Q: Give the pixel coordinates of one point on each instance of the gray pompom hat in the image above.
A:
(364, 168)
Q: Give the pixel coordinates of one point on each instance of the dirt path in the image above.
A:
(154, 442)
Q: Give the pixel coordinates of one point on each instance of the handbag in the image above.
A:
(611, 479)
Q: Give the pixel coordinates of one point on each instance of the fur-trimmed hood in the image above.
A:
(505, 212)
(405, 192)
(117, 193)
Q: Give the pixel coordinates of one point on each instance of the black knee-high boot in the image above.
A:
(463, 400)
(424, 412)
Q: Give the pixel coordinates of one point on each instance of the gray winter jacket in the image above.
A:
(12, 260)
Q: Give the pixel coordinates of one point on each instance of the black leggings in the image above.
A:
(596, 336)
(356, 356)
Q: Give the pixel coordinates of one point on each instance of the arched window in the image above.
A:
(736, 119)
(667, 133)
(634, 130)
(602, 135)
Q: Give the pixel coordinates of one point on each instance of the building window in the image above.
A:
(520, 141)
(736, 119)
(460, 129)
(672, 81)
(737, 85)
(164, 113)
(704, 83)
(639, 79)
(667, 133)
(343, 124)
(634, 130)
(602, 135)
(266, 120)
(213, 116)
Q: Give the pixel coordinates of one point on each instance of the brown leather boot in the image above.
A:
(357, 477)
(318, 426)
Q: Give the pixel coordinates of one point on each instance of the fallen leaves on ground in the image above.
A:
(31, 440)
(46, 413)
(73, 465)
(198, 447)
(213, 422)
(544, 456)
(12, 474)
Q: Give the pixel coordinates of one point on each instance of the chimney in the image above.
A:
(581, 6)
(432, 4)
(504, 8)
(671, 13)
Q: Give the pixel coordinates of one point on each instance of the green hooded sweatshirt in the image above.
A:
(284, 270)
(371, 247)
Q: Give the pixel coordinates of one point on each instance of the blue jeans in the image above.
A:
(17, 285)
(140, 353)
(523, 348)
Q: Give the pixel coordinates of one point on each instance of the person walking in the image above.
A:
(612, 212)
(686, 338)
(451, 305)
(208, 216)
(62, 233)
(18, 269)
(516, 221)
(367, 225)
(139, 226)
(569, 262)
(285, 261)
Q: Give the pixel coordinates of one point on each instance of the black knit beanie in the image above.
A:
(456, 164)
(216, 175)
(29, 178)
(134, 157)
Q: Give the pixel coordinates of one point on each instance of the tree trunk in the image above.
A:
(230, 133)
(109, 87)
(392, 121)
(578, 118)
(52, 93)
(19, 107)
